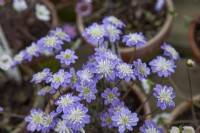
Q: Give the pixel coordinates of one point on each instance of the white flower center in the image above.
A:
(112, 31)
(86, 75)
(47, 121)
(58, 78)
(40, 75)
(32, 49)
(163, 65)
(96, 32)
(152, 130)
(125, 69)
(66, 101)
(47, 89)
(86, 91)
(114, 20)
(19, 57)
(50, 41)
(37, 118)
(67, 56)
(141, 70)
(135, 37)
(76, 115)
(124, 119)
(105, 67)
(60, 34)
(110, 97)
(62, 128)
(173, 52)
(165, 96)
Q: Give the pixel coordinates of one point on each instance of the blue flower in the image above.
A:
(76, 116)
(1, 109)
(110, 96)
(40, 76)
(165, 96)
(85, 75)
(134, 39)
(170, 51)
(106, 119)
(163, 66)
(124, 119)
(112, 32)
(95, 34)
(116, 107)
(87, 91)
(18, 58)
(141, 70)
(60, 78)
(114, 21)
(150, 127)
(104, 67)
(48, 122)
(83, 8)
(60, 34)
(45, 90)
(31, 51)
(50, 43)
(125, 71)
(35, 120)
(159, 5)
(67, 57)
(65, 101)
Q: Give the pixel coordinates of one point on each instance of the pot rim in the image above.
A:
(162, 32)
(191, 38)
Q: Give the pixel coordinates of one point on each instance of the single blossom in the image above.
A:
(134, 39)
(40, 76)
(112, 32)
(110, 96)
(19, 5)
(141, 70)
(65, 101)
(60, 34)
(48, 122)
(42, 12)
(67, 57)
(114, 21)
(106, 120)
(45, 90)
(70, 30)
(188, 129)
(62, 128)
(150, 127)
(95, 34)
(162, 66)
(35, 120)
(170, 51)
(174, 130)
(76, 116)
(165, 96)
(6, 62)
(31, 51)
(18, 58)
(124, 119)
(83, 8)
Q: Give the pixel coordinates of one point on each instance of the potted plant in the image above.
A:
(155, 40)
(193, 36)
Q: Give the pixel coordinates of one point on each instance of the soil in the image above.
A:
(197, 33)
(138, 16)
(22, 28)
(187, 116)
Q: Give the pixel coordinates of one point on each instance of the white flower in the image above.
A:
(42, 13)
(62, 128)
(19, 57)
(19, 5)
(5, 62)
(190, 62)
(145, 85)
(188, 129)
(174, 130)
(31, 50)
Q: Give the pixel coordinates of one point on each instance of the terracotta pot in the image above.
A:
(191, 36)
(152, 48)
(180, 109)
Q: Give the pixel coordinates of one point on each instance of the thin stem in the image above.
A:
(127, 92)
(12, 115)
(190, 89)
(181, 95)
(155, 110)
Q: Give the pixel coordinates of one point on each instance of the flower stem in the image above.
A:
(132, 57)
(190, 90)
(155, 110)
